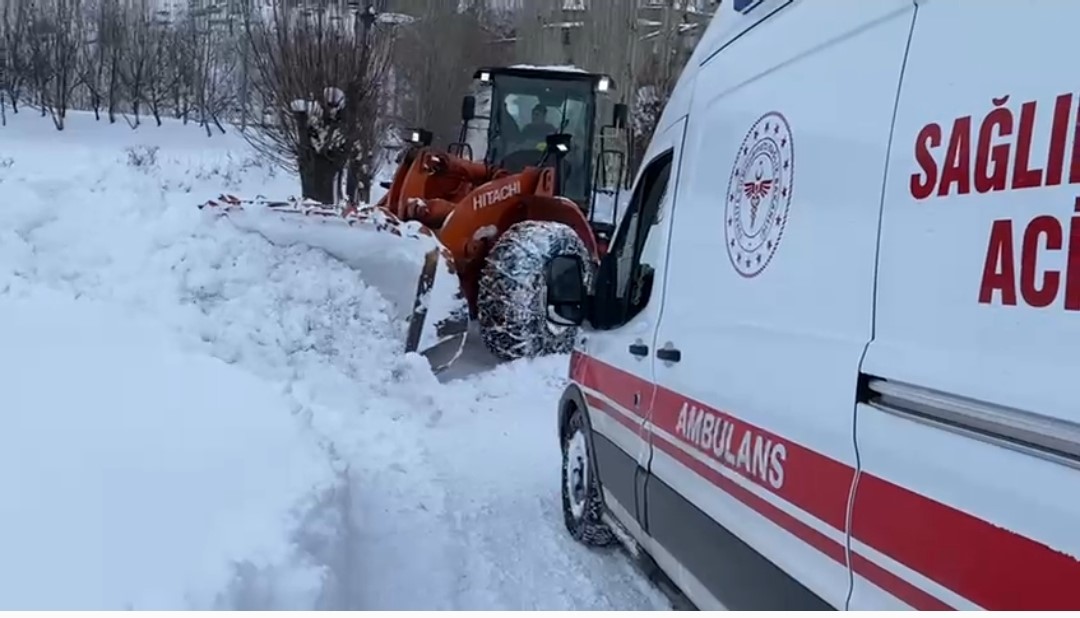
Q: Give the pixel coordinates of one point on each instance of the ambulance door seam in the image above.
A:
(678, 152)
(850, 518)
(885, 176)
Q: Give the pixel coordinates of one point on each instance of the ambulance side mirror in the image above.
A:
(566, 292)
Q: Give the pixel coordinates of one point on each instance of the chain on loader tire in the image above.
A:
(512, 302)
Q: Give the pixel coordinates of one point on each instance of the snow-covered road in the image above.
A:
(484, 508)
(245, 433)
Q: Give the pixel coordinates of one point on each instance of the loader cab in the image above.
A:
(528, 104)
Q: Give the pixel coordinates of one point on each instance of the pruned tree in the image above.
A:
(321, 74)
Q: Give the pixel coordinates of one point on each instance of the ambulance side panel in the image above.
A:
(769, 301)
(969, 430)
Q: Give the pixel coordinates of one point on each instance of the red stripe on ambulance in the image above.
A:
(988, 565)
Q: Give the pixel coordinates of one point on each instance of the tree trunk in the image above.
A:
(318, 177)
(357, 183)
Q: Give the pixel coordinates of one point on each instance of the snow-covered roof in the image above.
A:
(395, 18)
(566, 68)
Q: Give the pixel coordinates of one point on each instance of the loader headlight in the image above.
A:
(604, 84)
(485, 77)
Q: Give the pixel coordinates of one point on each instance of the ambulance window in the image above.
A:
(633, 278)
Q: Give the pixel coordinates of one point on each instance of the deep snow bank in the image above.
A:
(136, 475)
(138, 468)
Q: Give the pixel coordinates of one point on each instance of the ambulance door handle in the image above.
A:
(669, 354)
(639, 349)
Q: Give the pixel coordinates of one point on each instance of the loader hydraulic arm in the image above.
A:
(429, 188)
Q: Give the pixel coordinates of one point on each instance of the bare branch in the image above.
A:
(321, 74)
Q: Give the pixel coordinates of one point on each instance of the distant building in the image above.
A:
(617, 37)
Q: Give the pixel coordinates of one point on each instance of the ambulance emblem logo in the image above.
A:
(759, 194)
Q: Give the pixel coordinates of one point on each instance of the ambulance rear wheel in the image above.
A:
(582, 502)
(512, 300)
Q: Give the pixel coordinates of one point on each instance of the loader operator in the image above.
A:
(539, 128)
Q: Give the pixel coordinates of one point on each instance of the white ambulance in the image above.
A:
(829, 361)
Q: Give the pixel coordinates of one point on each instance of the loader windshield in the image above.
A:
(528, 109)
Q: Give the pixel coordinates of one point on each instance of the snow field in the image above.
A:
(123, 484)
(192, 416)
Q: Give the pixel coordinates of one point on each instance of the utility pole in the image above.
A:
(666, 37)
(629, 91)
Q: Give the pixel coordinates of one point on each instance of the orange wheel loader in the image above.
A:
(456, 239)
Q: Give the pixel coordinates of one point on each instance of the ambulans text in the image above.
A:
(739, 448)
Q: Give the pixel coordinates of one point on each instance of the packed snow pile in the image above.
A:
(142, 467)
(388, 255)
(138, 475)
(196, 417)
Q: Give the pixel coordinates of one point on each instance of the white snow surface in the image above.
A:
(565, 68)
(194, 417)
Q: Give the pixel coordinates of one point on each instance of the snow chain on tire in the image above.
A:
(512, 302)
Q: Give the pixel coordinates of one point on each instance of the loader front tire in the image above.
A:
(512, 300)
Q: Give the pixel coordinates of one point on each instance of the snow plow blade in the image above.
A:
(403, 261)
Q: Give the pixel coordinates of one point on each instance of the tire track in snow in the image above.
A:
(465, 495)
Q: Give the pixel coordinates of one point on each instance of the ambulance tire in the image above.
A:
(582, 503)
(512, 299)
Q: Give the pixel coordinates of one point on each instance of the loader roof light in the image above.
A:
(604, 84)
(418, 137)
(485, 77)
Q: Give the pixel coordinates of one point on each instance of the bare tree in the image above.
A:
(435, 59)
(210, 64)
(643, 45)
(161, 73)
(135, 66)
(539, 32)
(14, 28)
(183, 69)
(55, 40)
(112, 43)
(362, 164)
(66, 46)
(321, 73)
(90, 64)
